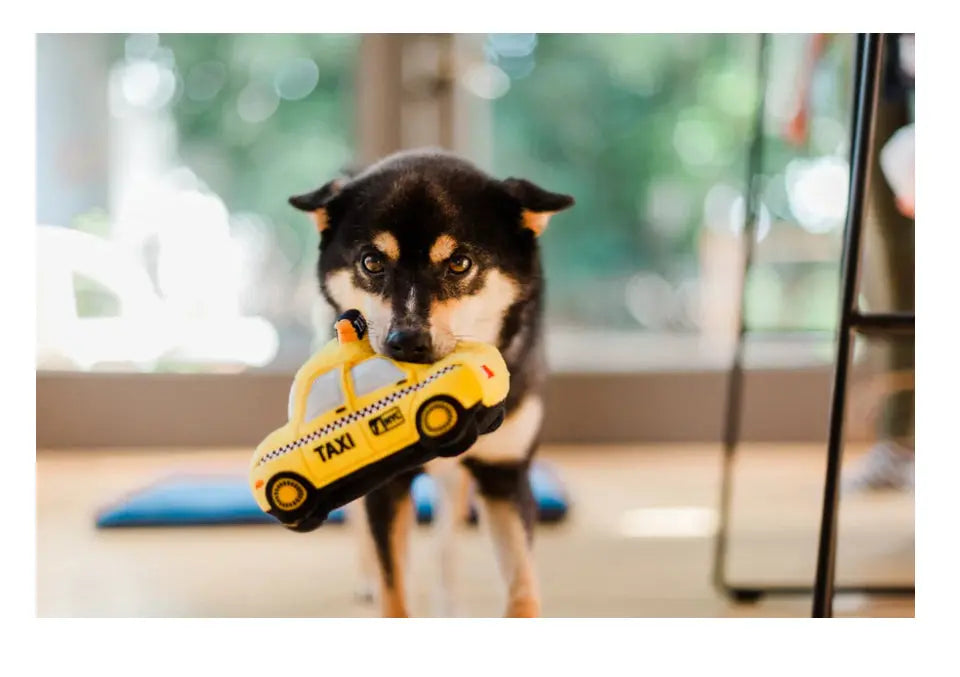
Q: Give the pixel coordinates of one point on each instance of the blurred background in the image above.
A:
(173, 276)
(157, 151)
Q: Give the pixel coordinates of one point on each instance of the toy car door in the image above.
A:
(337, 440)
(385, 390)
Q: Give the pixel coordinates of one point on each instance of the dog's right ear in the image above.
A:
(316, 202)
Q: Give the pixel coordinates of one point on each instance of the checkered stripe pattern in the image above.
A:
(357, 415)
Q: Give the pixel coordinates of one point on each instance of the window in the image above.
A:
(292, 402)
(325, 394)
(163, 165)
(650, 133)
(373, 374)
(164, 162)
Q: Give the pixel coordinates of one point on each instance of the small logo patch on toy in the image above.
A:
(388, 420)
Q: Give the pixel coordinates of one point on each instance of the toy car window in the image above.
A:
(324, 395)
(375, 373)
(292, 401)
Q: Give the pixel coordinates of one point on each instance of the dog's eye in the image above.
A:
(372, 263)
(459, 264)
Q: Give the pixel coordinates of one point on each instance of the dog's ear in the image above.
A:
(538, 204)
(316, 202)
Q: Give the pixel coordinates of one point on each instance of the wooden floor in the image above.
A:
(638, 542)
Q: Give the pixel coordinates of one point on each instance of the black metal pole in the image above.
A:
(861, 157)
(731, 432)
(881, 324)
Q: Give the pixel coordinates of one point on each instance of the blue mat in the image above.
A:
(219, 500)
(548, 492)
(186, 500)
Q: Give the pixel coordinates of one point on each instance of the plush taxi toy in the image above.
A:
(356, 419)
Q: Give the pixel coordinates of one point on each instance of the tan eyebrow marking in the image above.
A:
(388, 244)
(442, 248)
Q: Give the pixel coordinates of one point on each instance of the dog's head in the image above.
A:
(430, 249)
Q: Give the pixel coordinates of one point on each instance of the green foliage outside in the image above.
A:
(625, 123)
(612, 118)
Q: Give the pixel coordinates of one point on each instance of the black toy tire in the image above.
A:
(495, 416)
(304, 503)
(306, 524)
(466, 440)
(445, 442)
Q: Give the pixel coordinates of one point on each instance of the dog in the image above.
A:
(433, 250)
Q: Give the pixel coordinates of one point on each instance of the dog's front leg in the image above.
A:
(451, 509)
(508, 510)
(390, 514)
(368, 567)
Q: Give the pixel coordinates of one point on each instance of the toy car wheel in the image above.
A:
(290, 496)
(493, 418)
(442, 424)
(306, 524)
(463, 442)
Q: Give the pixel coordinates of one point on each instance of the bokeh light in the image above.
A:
(257, 102)
(147, 84)
(817, 192)
(486, 81)
(296, 79)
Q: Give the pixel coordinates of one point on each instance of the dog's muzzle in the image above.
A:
(409, 345)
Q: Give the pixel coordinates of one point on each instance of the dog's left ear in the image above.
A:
(316, 202)
(538, 204)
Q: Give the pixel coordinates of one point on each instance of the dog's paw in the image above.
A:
(523, 607)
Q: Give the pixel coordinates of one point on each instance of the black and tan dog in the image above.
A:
(432, 250)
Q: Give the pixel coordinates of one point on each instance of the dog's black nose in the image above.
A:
(409, 345)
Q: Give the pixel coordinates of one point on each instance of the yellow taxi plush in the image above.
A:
(356, 419)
